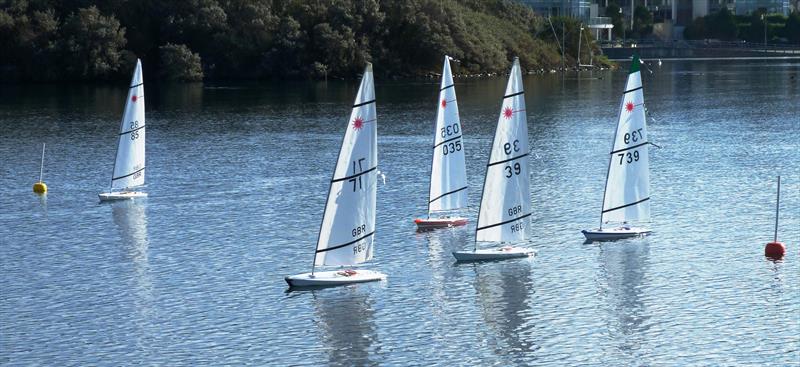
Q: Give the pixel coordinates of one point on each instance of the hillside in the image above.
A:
(50, 40)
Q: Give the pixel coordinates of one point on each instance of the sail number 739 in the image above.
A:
(633, 136)
(628, 157)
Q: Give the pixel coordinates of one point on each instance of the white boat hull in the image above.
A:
(121, 195)
(445, 222)
(500, 253)
(609, 234)
(334, 278)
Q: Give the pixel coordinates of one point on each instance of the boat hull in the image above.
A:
(121, 195)
(500, 253)
(433, 223)
(333, 278)
(610, 234)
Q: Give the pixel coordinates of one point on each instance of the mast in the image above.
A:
(433, 154)
(41, 167)
(777, 209)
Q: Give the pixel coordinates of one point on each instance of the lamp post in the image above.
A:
(623, 25)
(764, 19)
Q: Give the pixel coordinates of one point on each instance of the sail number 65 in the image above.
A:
(134, 130)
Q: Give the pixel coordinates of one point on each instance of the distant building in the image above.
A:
(670, 17)
(744, 7)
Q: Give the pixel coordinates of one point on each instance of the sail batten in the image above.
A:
(505, 202)
(448, 184)
(347, 230)
(129, 161)
(627, 190)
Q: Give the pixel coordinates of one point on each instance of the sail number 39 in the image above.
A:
(516, 168)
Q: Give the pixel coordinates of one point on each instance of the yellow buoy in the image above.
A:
(40, 187)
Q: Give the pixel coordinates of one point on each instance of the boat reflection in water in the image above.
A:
(622, 268)
(506, 298)
(345, 320)
(131, 221)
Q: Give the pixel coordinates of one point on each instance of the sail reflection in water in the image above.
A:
(622, 268)
(346, 325)
(131, 221)
(505, 294)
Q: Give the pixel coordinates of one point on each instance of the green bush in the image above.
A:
(179, 63)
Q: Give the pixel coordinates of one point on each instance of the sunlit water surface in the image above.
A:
(237, 176)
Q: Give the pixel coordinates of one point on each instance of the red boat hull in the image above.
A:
(432, 223)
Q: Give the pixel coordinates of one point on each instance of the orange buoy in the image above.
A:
(775, 250)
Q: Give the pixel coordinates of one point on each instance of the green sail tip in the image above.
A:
(635, 64)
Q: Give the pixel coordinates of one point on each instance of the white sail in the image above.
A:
(348, 225)
(448, 189)
(506, 203)
(627, 192)
(129, 164)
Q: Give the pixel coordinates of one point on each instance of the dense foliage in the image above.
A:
(724, 25)
(52, 40)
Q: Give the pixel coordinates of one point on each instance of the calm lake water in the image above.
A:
(237, 177)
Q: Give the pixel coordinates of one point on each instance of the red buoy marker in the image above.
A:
(775, 250)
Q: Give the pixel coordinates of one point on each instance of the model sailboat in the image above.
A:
(626, 197)
(448, 185)
(348, 225)
(129, 166)
(505, 203)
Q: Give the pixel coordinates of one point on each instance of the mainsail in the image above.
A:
(129, 164)
(348, 225)
(627, 191)
(506, 203)
(448, 187)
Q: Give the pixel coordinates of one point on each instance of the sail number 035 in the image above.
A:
(453, 146)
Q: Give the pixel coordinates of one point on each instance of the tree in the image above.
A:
(642, 21)
(179, 63)
(615, 13)
(93, 45)
(792, 28)
(722, 25)
(695, 30)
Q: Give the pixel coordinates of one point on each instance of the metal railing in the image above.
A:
(599, 20)
(716, 44)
